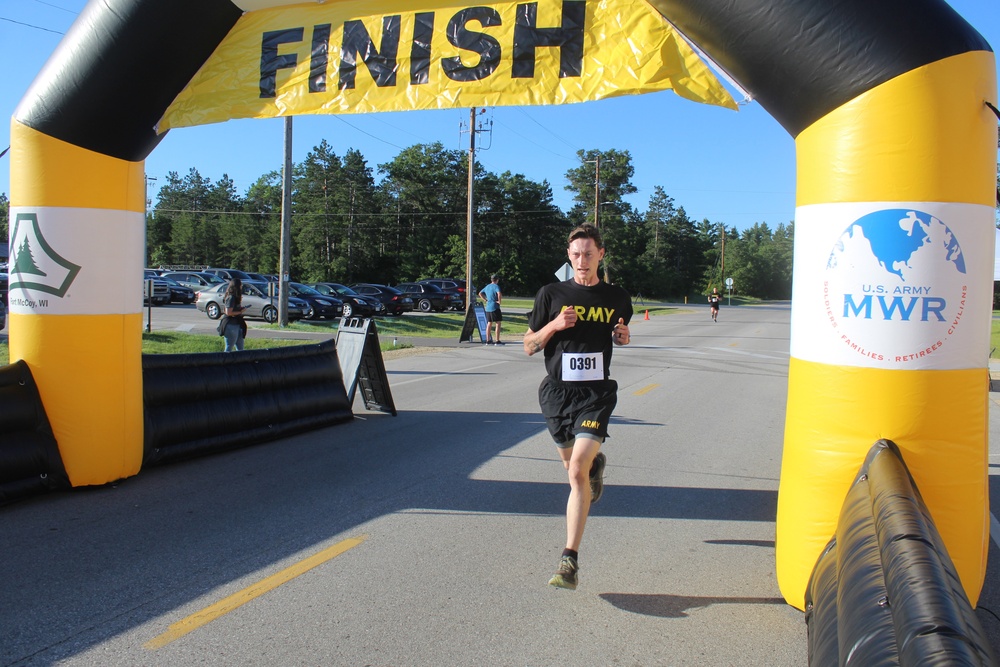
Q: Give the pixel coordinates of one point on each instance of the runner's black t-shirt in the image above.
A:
(598, 310)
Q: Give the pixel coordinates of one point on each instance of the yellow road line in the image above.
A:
(645, 390)
(228, 604)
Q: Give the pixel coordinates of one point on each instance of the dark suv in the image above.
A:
(355, 305)
(161, 289)
(395, 302)
(426, 297)
(453, 287)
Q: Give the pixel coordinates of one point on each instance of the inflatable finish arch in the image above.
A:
(896, 147)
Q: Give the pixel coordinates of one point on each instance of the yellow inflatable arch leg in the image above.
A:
(891, 345)
(77, 232)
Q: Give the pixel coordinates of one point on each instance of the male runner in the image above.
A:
(575, 322)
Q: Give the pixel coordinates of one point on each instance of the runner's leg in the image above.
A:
(577, 460)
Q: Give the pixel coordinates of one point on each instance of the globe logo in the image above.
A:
(895, 286)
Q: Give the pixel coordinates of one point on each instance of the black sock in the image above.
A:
(571, 553)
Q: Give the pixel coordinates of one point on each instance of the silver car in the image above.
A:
(255, 300)
(196, 280)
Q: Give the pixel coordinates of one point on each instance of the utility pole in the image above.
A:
(286, 226)
(597, 186)
(723, 261)
(597, 206)
(469, 297)
(597, 189)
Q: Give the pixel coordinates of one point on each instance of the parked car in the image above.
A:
(229, 274)
(263, 277)
(454, 287)
(4, 286)
(321, 306)
(3, 315)
(196, 280)
(255, 299)
(178, 293)
(395, 302)
(426, 297)
(161, 289)
(355, 305)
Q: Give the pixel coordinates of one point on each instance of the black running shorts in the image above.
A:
(577, 408)
(494, 315)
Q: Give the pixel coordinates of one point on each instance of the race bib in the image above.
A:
(581, 367)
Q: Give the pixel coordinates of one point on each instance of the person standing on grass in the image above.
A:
(492, 295)
(233, 327)
(575, 323)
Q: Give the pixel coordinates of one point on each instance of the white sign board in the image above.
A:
(564, 272)
(729, 283)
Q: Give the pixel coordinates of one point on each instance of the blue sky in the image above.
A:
(736, 168)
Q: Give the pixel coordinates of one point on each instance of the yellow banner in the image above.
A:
(360, 56)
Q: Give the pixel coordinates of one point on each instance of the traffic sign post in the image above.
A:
(564, 272)
(729, 287)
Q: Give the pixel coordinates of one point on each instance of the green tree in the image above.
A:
(517, 232)
(262, 221)
(4, 216)
(361, 216)
(182, 203)
(315, 227)
(759, 261)
(426, 193)
(615, 217)
(672, 261)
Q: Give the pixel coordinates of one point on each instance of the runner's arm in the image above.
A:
(535, 341)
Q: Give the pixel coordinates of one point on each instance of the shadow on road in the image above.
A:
(95, 562)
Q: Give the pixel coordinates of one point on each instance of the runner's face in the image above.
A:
(584, 257)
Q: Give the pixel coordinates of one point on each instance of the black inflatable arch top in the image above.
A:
(800, 58)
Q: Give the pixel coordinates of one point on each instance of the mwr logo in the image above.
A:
(895, 286)
(34, 264)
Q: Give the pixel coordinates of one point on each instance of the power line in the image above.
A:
(377, 138)
(49, 4)
(546, 129)
(530, 141)
(28, 25)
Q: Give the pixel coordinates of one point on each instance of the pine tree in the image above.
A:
(25, 263)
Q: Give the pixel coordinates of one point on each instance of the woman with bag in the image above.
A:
(233, 327)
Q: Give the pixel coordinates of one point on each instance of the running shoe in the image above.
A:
(500, 343)
(565, 576)
(597, 477)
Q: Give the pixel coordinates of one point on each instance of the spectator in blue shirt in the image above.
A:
(492, 295)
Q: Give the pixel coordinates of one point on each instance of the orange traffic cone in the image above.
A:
(647, 315)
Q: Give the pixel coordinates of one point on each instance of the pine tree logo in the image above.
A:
(35, 264)
(24, 262)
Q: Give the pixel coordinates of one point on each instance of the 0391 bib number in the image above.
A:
(581, 367)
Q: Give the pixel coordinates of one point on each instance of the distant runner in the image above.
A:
(713, 301)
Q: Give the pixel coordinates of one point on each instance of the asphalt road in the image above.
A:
(428, 538)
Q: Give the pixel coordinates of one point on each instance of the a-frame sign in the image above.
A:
(361, 364)
(475, 319)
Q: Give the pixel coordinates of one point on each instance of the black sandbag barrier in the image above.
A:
(197, 404)
(30, 462)
(885, 591)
